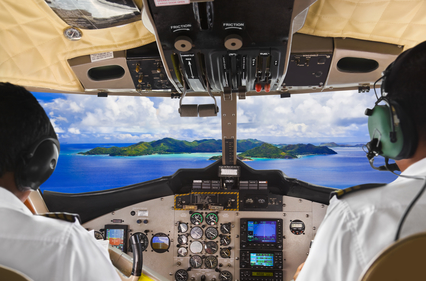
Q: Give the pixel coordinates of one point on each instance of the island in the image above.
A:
(250, 148)
(290, 151)
(170, 146)
(333, 144)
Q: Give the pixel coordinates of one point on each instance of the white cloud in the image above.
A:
(304, 117)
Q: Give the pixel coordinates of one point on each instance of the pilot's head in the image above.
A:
(29, 147)
(399, 126)
(405, 83)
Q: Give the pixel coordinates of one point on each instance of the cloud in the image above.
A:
(303, 117)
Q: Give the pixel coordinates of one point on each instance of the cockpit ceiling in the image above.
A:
(35, 53)
(396, 22)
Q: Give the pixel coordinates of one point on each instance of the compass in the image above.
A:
(73, 33)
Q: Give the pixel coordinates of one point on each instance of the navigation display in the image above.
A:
(262, 231)
(116, 235)
(261, 259)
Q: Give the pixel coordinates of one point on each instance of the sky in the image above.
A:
(302, 118)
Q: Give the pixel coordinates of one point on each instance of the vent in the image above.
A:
(357, 65)
(106, 72)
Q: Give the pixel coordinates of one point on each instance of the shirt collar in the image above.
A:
(10, 201)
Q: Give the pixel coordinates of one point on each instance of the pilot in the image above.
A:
(361, 224)
(40, 247)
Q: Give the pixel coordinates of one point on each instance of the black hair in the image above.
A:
(22, 123)
(406, 84)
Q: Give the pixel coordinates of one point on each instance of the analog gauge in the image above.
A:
(225, 240)
(211, 218)
(297, 227)
(142, 238)
(211, 233)
(196, 218)
(182, 227)
(182, 252)
(225, 276)
(211, 247)
(73, 33)
(196, 247)
(99, 235)
(196, 232)
(181, 275)
(182, 239)
(210, 262)
(225, 253)
(196, 261)
(225, 228)
(160, 242)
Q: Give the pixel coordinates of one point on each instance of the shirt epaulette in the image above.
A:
(62, 216)
(342, 192)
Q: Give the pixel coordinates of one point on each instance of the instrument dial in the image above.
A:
(225, 240)
(196, 247)
(99, 235)
(181, 275)
(225, 228)
(225, 276)
(182, 239)
(211, 233)
(182, 227)
(196, 218)
(196, 232)
(297, 227)
(210, 262)
(142, 238)
(211, 247)
(211, 219)
(196, 261)
(182, 252)
(225, 253)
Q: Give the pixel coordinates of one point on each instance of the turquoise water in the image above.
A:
(78, 173)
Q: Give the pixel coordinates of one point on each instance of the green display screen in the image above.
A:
(256, 273)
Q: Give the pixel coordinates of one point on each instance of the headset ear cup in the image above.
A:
(37, 165)
(392, 127)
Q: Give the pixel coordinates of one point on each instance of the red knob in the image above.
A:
(267, 88)
(258, 87)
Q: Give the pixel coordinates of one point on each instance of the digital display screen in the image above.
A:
(116, 237)
(257, 273)
(261, 259)
(160, 242)
(296, 225)
(262, 231)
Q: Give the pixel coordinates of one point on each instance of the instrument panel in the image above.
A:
(208, 244)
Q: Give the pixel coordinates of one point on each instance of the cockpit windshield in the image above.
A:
(143, 139)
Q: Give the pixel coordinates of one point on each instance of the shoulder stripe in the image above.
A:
(341, 192)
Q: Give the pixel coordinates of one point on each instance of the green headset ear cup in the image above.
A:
(380, 127)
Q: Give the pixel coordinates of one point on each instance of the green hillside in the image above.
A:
(286, 152)
(169, 146)
(267, 150)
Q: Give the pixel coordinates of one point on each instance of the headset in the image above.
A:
(37, 163)
(391, 129)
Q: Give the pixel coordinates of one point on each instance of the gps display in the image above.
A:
(262, 231)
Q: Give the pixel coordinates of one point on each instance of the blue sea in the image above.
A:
(79, 173)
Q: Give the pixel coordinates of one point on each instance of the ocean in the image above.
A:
(79, 173)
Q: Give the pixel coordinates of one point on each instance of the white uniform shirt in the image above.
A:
(49, 249)
(359, 226)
